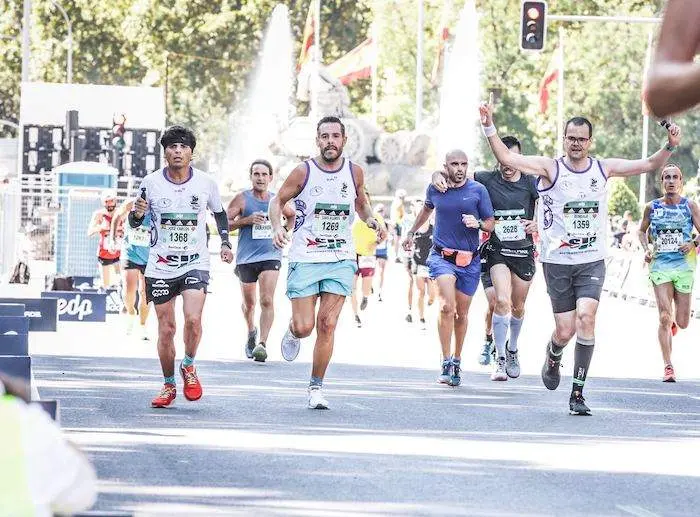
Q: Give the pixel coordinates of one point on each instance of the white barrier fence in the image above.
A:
(627, 277)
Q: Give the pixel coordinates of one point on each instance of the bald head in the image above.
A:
(455, 154)
(456, 163)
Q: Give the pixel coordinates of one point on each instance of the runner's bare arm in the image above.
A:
(290, 189)
(644, 228)
(626, 168)
(95, 223)
(289, 215)
(674, 79)
(234, 213)
(695, 214)
(421, 218)
(119, 216)
(533, 165)
(362, 204)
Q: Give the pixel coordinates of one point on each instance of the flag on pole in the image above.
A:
(356, 64)
(307, 40)
(551, 75)
(443, 38)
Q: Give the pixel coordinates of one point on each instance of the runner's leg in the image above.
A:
(131, 281)
(326, 321)
(144, 309)
(165, 312)
(303, 316)
(248, 305)
(520, 290)
(421, 288)
(500, 276)
(664, 302)
(267, 283)
(192, 306)
(463, 302)
(448, 306)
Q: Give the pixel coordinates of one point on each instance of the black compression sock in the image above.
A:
(582, 360)
(555, 351)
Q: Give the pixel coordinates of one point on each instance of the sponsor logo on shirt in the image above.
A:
(177, 261)
(328, 244)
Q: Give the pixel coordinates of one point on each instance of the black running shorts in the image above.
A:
(133, 265)
(249, 273)
(160, 290)
(566, 283)
(106, 261)
(521, 262)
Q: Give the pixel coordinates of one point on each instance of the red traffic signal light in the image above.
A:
(533, 25)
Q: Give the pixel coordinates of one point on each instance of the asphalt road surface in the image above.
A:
(394, 441)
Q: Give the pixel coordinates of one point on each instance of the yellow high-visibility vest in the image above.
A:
(15, 500)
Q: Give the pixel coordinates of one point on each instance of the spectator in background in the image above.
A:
(398, 213)
(41, 472)
(108, 254)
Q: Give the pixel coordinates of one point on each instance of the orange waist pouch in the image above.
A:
(457, 257)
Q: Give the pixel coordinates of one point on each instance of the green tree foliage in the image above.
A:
(622, 199)
(205, 53)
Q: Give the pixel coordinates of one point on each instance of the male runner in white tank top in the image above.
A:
(327, 191)
(572, 222)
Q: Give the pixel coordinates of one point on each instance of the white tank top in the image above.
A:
(325, 209)
(572, 215)
(178, 222)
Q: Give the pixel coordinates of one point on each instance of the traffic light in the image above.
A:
(533, 25)
(118, 130)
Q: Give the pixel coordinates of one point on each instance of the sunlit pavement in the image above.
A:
(394, 441)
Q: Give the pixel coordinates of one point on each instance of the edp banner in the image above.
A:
(79, 306)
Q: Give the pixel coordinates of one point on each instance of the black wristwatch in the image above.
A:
(227, 244)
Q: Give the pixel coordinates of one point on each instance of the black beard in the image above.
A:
(110, 209)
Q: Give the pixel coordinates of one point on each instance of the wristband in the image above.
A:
(227, 244)
(489, 130)
(670, 148)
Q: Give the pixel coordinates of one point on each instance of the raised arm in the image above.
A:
(674, 79)
(533, 165)
(626, 168)
(290, 189)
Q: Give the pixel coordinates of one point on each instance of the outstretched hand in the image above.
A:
(486, 112)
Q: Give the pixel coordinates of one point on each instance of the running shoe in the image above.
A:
(316, 400)
(488, 350)
(409, 318)
(290, 346)
(358, 322)
(130, 322)
(250, 344)
(455, 378)
(379, 297)
(512, 363)
(260, 353)
(674, 328)
(669, 374)
(499, 374)
(422, 324)
(144, 333)
(193, 388)
(363, 303)
(446, 374)
(577, 404)
(165, 397)
(550, 371)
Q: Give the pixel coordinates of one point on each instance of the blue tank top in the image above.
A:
(255, 242)
(137, 241)
(671, 226)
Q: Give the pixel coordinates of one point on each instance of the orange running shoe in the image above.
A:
(165, 397)
(674, 328)
(193, 388)
(669, 374)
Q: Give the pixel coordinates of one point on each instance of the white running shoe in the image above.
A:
(512, 364)
(290, 345)
(499, 374)
(130, 323)
(144, 333)
(316, 400)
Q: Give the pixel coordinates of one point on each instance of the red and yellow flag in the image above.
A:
(551, 75)
(307, 40)
(356, 64)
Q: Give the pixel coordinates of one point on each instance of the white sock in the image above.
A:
(500, 331)
(515, 326)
